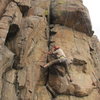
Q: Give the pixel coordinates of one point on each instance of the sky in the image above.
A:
(93, 7)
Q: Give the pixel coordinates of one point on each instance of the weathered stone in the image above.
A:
(12, 16)
(8, 85)
(94, 51)
(3, 5)
(41, 3)
(80, 70)
(6, 61)
(37, 11)
(92, 96)
(22, 77)
(95, 54)
(28, 33)
(40, 92)
(31, 56)
(24, 5)
(40, 8)
(23, 2)
(71, 13)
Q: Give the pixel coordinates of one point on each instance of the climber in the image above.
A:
(60, 57)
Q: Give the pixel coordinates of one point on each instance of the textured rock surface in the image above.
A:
(28, 30)
(11, 18)
(73, 44)
(23, 5)
(71, 13)
(90, 97)
(3, 5)
(6, 62)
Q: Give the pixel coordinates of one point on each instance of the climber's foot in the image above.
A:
(42, 67)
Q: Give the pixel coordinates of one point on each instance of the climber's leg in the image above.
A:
(51, 91)
(51, 63)
(64, 61)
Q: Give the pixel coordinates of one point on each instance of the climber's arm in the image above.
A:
(50, 52)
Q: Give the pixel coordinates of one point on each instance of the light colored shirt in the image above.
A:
(59, 53)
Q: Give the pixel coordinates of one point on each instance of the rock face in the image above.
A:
(28, 30)
(71, 13)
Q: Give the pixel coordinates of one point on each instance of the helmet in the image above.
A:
(56, 47)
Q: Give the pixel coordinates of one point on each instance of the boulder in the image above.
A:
(3, 5)
(92, 96)
(28, 30)
(71, 13)
(9, 85)
(41, 8)
(95, 54)
(6, 62)
(31, 56)
(24, 6)
(10, 22)
(39, 93)
(81, 68)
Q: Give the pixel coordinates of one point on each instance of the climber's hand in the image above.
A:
(50, 52)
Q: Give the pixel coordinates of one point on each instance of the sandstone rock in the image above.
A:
(6, 61)
(95, 54)
(3, 5)
(95, 48)
(22, 77)
(12, 11)
(27, 33)
(92, 96)
(30, 58)
(9, 23)
(37, 11)
(23, 2)
(71, 13)
(8, 85)
(70, 41)
(33, 33)
(40, 8)
(41, 3)
(24, 5)
(39, 94)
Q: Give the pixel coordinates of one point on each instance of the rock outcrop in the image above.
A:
(28, 30)
(71, 13)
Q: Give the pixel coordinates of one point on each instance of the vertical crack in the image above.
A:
(13, 30)
(16, 83)
(18, 88)
(48, 31)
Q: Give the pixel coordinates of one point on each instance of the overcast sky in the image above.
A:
(94, 7)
